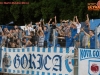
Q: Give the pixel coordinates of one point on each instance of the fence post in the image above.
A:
(54, 37)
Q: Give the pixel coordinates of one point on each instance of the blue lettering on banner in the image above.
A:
(32, 63)
(16, 61)
(58, 58)
(88, 53)
(45, 62)
(40, 61)
(24, 61)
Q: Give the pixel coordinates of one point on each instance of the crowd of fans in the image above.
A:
(70, 33)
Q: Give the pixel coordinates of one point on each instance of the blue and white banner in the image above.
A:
(89, 62)
(38, 61)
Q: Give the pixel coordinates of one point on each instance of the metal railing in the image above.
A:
(78, 43)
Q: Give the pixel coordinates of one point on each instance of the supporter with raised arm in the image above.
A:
(41, 37)
(60, 42)
(29, 28)
(86, 27)
(85, 39)
(31, 39)
(69, 40)
(51, 27)
(66, 26)
(91, 34)
(78, 25)
(73, 29)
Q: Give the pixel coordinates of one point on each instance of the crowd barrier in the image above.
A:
(49, 61)
(89, 62)
(37, 61)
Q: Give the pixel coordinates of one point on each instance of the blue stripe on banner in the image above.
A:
(60, 74)
(73, 62)
(32, 48)
(22, 71)
(32, 72)
(48, 74)
(13, 71)
(9, 50)
(67, 50)
(72, 51)
(18, 71)
(54, 73)
(43, 73)
(28, 49)
(37, 73)
(18, 50)
(0, 69)
(55, 49)
(5, 49)
(13, 50)
(43, 49)
(23, 50)
(61, 50)
(9, 70)
(67, 65)
(49, 49)
(38, 49)
(27, 72)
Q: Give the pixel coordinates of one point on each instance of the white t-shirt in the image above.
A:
(30, 29)
(78, 27)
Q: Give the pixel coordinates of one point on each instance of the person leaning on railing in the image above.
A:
(60, 41)
(31, 39)
(69, 40)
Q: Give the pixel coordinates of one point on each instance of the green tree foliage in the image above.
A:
(46, 9)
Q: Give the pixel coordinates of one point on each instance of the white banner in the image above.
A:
(89, 62)
(38, 61)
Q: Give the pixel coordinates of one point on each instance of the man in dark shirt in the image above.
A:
(51, 27)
